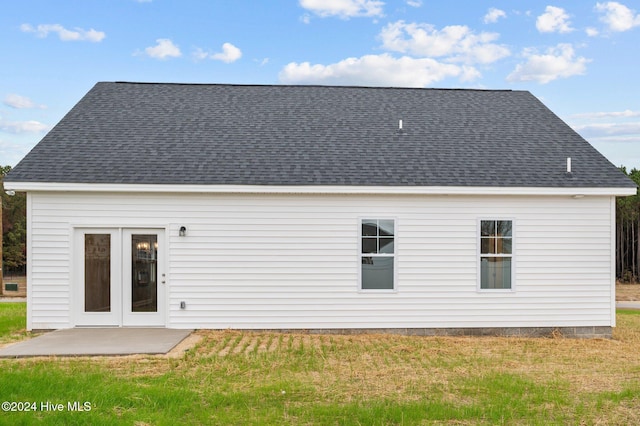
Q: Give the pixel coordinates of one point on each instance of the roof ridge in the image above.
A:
(311, 86)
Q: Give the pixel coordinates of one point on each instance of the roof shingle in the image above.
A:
(155, 133)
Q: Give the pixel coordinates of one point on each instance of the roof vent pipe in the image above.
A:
(400, 125)
(568, 165)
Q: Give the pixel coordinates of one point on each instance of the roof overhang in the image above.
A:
(315, 189)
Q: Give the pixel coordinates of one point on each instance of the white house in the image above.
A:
(421, 211)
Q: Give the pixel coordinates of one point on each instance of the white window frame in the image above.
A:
(480, 255)
(394, 256)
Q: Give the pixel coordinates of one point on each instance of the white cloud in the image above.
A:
(457, 43)
(557, 62)
(614, 133)
(21, 102)
(598, 130)
(621, 151)
(608, 125)
(17, 127)
(617, 16)
(414, 3)
(615, 114)
(493, 15)
(64, 34)
(469, 73)
(554, 19)
(13, 150)
(344, 9)
(163, 49)
(199, 54)
(230, 53)
(592, 32)
(376, 70)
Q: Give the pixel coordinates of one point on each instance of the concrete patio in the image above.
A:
(97, 341)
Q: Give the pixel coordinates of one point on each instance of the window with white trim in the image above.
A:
(496, 254)
(377, 252)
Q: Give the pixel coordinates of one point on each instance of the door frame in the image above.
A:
(143, 319)
(119, 281)
(95, 319)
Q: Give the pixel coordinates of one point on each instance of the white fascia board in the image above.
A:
(313, 189)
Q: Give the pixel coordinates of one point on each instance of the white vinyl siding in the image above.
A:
(292, 260)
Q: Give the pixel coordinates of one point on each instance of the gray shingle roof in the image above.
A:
(149, 133)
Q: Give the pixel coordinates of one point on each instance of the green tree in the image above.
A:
(628, 233)
(14, 229)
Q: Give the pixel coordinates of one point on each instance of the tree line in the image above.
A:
(628, 233)
(14, 231)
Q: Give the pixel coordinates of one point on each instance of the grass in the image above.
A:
(234, 377)
(12, 322)
(627, 292)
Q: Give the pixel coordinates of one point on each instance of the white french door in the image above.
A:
(120, 277)
(143, 277)
(98, 276)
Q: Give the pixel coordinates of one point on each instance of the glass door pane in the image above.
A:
(144, 273)
(97, 272)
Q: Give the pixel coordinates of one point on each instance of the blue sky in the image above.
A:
(580, 57)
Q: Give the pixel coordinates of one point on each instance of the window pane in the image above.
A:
(144, 273)
(97, 273)
(487, 245)
(504, 228)
(377, 273)
(504, 245)
(495, 272)
(369, 227)
(369, 245)
(386, 227)
(487, 228)
(386, 245)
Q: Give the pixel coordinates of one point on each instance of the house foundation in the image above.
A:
(583, 332)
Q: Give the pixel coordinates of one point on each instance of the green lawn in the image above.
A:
(241, 378)
(12, 321)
